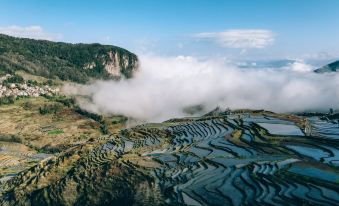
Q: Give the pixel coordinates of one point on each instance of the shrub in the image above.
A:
(10, 138)
(50, 109)
(32, 83)
(96, 117)
(6, 100)
(28, 105)
(14, 79)
(104, 129)
(55, 132)
(68, 102)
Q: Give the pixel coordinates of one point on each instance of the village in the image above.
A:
(24, 89)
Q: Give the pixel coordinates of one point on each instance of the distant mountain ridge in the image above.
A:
(332, 67)
(66, 61)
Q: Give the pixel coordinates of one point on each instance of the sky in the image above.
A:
(238, 29)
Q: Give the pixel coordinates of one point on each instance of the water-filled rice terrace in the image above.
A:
(244, 159)
(224, 159)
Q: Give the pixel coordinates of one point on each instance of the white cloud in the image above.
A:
(239, 38)
(166, 85)
(32, 32)
(300, 66)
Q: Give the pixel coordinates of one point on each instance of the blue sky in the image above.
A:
(246, 29)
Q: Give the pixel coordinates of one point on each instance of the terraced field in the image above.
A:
(223, 159)
(234, 161)
(16, 157)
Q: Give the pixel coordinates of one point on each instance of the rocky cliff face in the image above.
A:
(116, 64)
(120, 65)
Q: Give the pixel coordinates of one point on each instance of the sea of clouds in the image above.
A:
(164, 86)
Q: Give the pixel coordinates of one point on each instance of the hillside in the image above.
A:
(332, 67)
(232, 158)
(65, 61)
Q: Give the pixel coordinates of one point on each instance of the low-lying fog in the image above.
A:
(164, 86)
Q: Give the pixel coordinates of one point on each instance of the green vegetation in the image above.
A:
(119, 119)
(14, 79)
(5, 70)
(333, 67)
(61, 60)
(7, 100)
(50, 109)
(95, 117)
(67, 101)
(28, 105)
(10, 138)
(32, 83)
(55, 132)
(104, 128)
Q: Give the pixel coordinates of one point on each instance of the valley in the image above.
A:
(55, 151)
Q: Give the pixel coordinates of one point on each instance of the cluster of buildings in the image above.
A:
(16, 90)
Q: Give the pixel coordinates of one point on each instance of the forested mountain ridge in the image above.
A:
(332, 67)
(66, 61)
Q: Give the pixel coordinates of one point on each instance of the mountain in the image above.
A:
(332, 67)
(276, 63)
(53, 152)
(72, 62)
